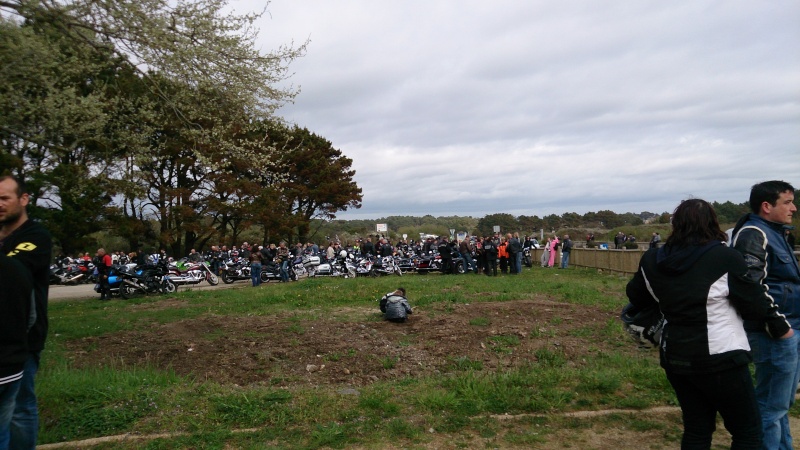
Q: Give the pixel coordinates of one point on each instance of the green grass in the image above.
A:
(459, 403)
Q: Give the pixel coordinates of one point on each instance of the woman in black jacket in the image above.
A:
(699, 284)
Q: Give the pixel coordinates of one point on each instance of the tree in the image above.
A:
(317, 179)
(507, 223)
(58, 105)
(192, 41)
(71, 67)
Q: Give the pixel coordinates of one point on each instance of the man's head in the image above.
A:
(13, 201)
(773, 201)
(101, 252)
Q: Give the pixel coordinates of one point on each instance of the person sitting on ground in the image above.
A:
(394, 306)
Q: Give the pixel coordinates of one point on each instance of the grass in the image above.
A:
(458, 406)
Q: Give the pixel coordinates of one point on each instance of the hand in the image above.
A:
(788, 334)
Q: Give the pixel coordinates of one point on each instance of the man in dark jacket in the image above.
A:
(759, 236)
(566, 250)
(16, 286)
(29, 243)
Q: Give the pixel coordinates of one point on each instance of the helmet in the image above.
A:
(643, 325)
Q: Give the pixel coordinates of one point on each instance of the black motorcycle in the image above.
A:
(145, 280)
(234, 270)
(526, 257)
(271, 271)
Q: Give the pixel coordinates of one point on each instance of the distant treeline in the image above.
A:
(600, 221)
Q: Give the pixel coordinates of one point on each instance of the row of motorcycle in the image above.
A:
(130, 280)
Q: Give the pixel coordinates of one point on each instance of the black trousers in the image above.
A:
(491, 266)
(105, 288)
(730, 393)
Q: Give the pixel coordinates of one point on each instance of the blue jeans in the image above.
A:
(777, 374)
(255, 273)
(25, 422)
(564, 260)
(284, 270)
(8, 396)
(468, 263)
(518, 262)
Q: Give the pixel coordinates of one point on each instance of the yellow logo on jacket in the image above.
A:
(22, 247)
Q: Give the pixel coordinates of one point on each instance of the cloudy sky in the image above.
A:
(544, 107)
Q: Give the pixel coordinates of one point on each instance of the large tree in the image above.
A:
(316, 179)
(109, 90)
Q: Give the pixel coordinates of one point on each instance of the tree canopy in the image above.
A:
(156, 118)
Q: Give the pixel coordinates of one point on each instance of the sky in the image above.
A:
(539, 107)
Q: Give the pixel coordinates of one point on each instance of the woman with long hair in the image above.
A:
(701, 288)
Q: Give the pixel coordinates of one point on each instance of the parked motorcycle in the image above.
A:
(433, 263)
(375, 266)
(271, 271)
(114, 278)
(338, 267)
(526, 257)
(66, 273)
(231, 271)
(144, 280)
(186, 272)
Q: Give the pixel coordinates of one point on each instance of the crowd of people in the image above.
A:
(728, 300)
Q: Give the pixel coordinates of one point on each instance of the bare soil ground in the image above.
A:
(353, 347)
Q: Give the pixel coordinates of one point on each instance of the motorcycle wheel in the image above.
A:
(460, 268)
(212, 279)
(168, 287)
(527, 262)
(264, 277)
(226, 278)
(127, 291)
(398, 271)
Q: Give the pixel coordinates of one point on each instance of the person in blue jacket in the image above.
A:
(760, 237)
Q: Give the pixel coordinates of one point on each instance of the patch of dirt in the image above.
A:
(353, 346)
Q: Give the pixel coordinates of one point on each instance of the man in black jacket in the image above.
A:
(29, 243)
(15, 315)
(566, 249)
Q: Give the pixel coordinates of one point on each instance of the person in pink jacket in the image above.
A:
(553, 251)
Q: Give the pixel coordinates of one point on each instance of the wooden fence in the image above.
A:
(622, 261)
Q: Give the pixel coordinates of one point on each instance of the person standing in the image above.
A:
(282, 253)
(546, 253)
(759, 236)
(255, 259)
(465, 250)
(554, 244)
(566, 250)
(103, 265)
(490, 256)
(702, 288)
(29, 243)
(502, 254)
(515, 253)
(655, 240)
(16, 285)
